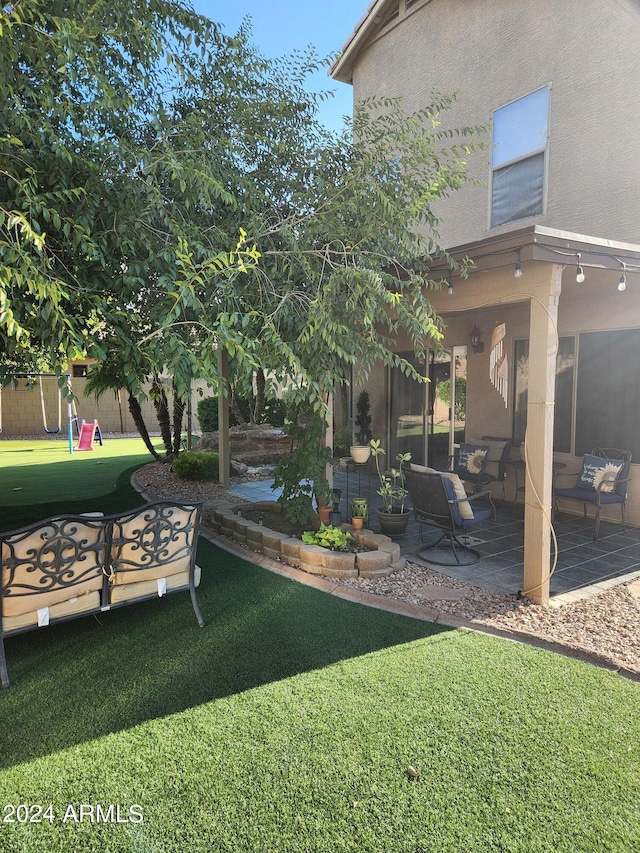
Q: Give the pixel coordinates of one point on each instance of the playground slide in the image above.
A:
(87, 435)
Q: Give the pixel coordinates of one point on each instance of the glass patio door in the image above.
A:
(446, 413)
(407, 412)
(428, 419)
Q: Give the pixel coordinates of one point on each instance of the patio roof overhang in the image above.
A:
(538, 243)
(551, 256)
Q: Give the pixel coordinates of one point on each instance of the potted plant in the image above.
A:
(393, 517)
(361, 451)
(323, 496)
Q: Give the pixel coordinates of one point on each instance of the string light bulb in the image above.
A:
(579, 270)
(450, 288)
(622, 284)
(517, 273)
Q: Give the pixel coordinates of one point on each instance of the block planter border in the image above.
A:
(382, 558)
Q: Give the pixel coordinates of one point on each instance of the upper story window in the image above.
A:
(520, 132)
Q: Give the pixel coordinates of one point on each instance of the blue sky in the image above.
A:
(281, 26)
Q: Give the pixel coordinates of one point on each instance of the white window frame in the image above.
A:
(520, 159)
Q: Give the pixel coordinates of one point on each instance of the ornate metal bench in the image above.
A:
(76, 565)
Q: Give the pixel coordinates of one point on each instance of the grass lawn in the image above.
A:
(288, 724)
(41, 478)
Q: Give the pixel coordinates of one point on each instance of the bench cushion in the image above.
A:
(89, 602)
(165, 546)
(145, 589)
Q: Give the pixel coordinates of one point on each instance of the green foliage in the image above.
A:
(302, 474)
(363, 420)
(392, 490)
(444, 394)
(196, 466)
(208, 414)
(329, 537)
(273, 413)
(342, 441)
(167, 193)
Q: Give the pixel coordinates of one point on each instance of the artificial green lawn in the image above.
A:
(288, 724)
(41, 478)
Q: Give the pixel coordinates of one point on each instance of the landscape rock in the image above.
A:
(251, 444)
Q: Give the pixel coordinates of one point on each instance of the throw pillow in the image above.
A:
(596, 470)
(464, 507)
(472, 458)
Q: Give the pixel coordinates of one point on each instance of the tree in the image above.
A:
(165, 191)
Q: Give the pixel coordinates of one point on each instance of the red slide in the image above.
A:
(87, 435)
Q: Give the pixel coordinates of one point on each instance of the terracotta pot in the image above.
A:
(360, 453)
(324, 512)
(357, 522)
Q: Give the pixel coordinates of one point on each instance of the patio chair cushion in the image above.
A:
(495, 449)
(480, 513)
(147, 588)
(596, 470)
(472, 458)
(589, 495)
(459, 491)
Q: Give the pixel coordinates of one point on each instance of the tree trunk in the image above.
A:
(178, 414)
(258, 408)
(136, 414)
(235, 408)
(161, 406)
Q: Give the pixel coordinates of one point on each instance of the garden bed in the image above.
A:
(377, 555)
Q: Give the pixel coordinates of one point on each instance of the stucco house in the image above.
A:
(552, 223)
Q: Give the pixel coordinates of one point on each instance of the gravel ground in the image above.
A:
(605, 627)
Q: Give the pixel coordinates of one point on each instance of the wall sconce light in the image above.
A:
(476, 343)
(517, 273)
(622, 284)
(579, 270)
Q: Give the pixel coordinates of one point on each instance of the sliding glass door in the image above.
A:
(447, 396)
(427, 419)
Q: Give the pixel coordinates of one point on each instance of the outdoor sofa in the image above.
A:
(76, 565)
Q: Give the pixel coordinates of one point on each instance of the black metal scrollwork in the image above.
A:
(66, 552)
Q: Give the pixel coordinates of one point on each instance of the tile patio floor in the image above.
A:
(584, 567)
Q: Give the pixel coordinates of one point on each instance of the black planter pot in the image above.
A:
(393, 523)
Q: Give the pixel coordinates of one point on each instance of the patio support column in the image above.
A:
(224, 449)
(539, 437)
(328, 438)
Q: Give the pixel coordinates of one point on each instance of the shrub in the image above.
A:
(329, 537)
(196, 466)
(273, 413)
(208, 414)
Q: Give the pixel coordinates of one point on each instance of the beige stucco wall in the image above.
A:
(495, 51)
(22, 409)
(594, 304)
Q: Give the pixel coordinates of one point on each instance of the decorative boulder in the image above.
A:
(253, 444)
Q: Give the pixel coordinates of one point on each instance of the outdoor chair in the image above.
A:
(602, 481)
(437, 502)
(481, 461)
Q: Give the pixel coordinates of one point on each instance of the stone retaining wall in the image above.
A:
(383, 558)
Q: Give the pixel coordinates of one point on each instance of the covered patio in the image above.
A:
(583, 567)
